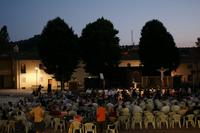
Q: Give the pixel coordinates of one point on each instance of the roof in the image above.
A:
(187, 55)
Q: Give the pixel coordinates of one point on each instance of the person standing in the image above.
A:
(101, 118)
(38, 115)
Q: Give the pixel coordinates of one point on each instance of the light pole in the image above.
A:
(36, 78)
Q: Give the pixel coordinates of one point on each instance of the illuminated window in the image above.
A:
(23, 68)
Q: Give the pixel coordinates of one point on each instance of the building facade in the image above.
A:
(30, 73)
(187, 73)
(24, 70)
(7, 72)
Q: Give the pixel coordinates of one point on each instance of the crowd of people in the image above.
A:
(98, 106)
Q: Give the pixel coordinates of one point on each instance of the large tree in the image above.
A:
(58, 50)
(4, 41)
(100, 46)
(157, 48)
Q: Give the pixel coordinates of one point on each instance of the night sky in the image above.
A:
(26, 18)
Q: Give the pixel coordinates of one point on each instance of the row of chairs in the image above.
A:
(9, 126)
(82, 128)
(60, 124)
(159, 119)
(91, 127)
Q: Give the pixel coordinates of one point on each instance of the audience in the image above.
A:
(95, 107)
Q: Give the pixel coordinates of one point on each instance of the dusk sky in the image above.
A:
(26, 18)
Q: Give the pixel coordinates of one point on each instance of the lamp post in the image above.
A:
(36, 74)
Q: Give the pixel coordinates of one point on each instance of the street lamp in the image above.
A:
(36, 74)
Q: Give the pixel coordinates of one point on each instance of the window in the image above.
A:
(23, 68)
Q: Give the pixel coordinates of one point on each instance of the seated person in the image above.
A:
(55, 111)
(113, 115)
(124, 111)
(78, 117)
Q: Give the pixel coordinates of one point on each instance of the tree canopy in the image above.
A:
(28, 45)
(157, 48)
(58, 50)
(100, 46)
(4, 41)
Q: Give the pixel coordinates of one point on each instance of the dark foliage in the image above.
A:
(100, 46)
(157, 48)
(29, 45)
(58, 50)
(5, 47)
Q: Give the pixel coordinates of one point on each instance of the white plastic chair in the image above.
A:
(176, 119)
(90, 127)
(124, 120)
(162, 118)
(137, 118)
(149, 119)
(59, 123)
(113, 128)
(190, 119)
(75, 125)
